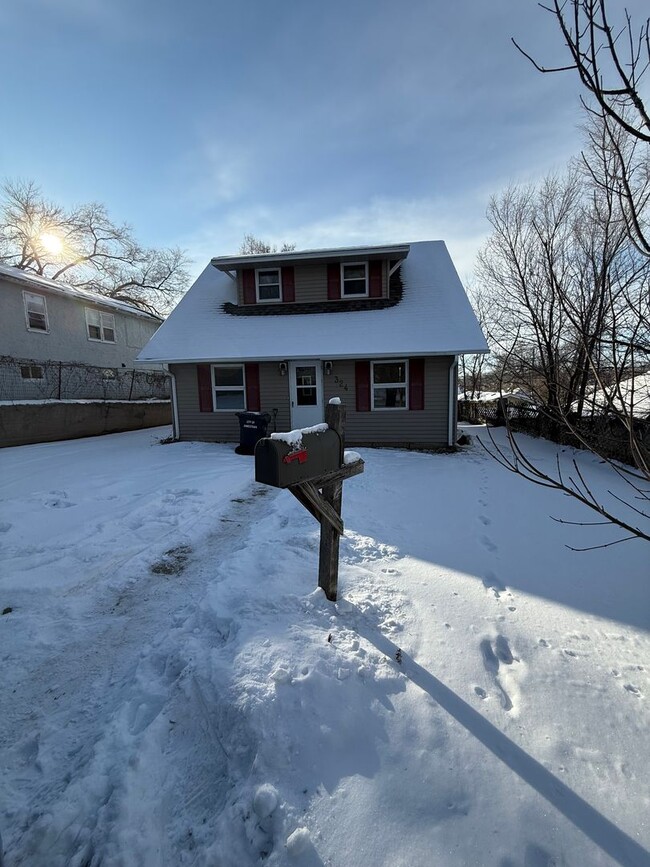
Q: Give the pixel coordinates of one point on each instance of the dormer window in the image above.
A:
(354, 279)
(268, 284)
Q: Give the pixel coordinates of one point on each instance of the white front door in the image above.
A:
(306, 393)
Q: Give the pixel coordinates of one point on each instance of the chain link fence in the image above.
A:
(27, 379)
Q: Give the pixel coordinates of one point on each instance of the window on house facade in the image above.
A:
(35, 312)
(269, 284)
(389, 384)
(354, 279)
(31, 371)
(101, 326)
(228, 386)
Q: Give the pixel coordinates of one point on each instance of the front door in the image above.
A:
(306, 392)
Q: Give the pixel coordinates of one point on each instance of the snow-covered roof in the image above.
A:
(434, 317)
(635, 394)
(35, 281)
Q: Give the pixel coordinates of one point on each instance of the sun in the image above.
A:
(52, 243)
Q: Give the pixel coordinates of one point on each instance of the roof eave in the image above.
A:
(397, 251)
(318, 355)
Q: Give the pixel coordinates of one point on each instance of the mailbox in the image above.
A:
(282, 463)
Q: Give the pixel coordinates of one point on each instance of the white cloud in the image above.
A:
(383, 220)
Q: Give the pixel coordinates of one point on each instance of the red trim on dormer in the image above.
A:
(374, 278)
(248, 283)
(288, 285)
(333, 281)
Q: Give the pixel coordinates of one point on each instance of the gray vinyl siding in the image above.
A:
(311, 283)
(427, 428)
(224, 426)
(67, 336)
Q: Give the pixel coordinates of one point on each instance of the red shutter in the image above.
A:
(252, 386)
(204, 377)
(374, 268)
(333, 281)
(288, 285)
(362, 383)
(416, 383)
(248, 279)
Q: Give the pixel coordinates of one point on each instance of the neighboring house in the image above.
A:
(46, 321)
(380, 327)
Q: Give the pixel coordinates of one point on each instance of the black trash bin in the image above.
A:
(252, 427)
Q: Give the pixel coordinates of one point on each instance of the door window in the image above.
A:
(306, 386)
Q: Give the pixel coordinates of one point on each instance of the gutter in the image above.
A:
(453, 402)
(176, 430)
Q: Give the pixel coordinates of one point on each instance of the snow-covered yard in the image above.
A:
(175, 691)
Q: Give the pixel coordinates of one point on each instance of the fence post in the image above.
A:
(60, 366)
(132, 381)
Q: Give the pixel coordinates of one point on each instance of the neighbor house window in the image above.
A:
(354, 279)
(31, 371)
(228, 386)
(101, 326)
(35, 312)
(389, 384)
(269, 284)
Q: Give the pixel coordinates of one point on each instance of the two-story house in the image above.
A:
(380, 327)
(46, 321)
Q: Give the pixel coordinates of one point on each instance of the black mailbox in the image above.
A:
(283, 463)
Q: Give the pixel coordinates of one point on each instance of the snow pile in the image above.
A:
(294, 437)
(351, 457)
(476, 696)
(335, 401)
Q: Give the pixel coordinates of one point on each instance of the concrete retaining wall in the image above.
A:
(22, 423)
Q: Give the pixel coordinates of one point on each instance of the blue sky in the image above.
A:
(321, 123)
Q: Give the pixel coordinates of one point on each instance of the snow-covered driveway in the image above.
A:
(175, 692)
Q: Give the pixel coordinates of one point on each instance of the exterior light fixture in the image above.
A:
(328, 368)
(283, 368)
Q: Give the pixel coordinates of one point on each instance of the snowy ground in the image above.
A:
(175, 692)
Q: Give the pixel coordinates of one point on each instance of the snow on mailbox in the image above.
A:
(286, 459)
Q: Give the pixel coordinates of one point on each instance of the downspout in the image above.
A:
(176, 431)
(453, 402)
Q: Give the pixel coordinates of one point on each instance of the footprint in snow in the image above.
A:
(484, 520)
(488, 544)
(5, 526)
(491, 582)
(634, 690)
(493, 658)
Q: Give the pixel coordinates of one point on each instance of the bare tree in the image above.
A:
(568, 315)
(83, 247)
(611, 60)
(588, 330)
(252, 246)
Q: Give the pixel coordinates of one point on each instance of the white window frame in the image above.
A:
(374, 385)
(257, 286)
(102, 325)
(26, 299)
(241, 387)
(345, 265)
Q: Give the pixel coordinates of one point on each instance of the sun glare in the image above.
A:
(51, 242)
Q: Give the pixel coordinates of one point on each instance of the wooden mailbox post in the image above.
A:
(318, 468)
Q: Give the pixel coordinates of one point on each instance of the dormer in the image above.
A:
(315, 281)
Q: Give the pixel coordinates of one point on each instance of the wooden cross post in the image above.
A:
(332, 493)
